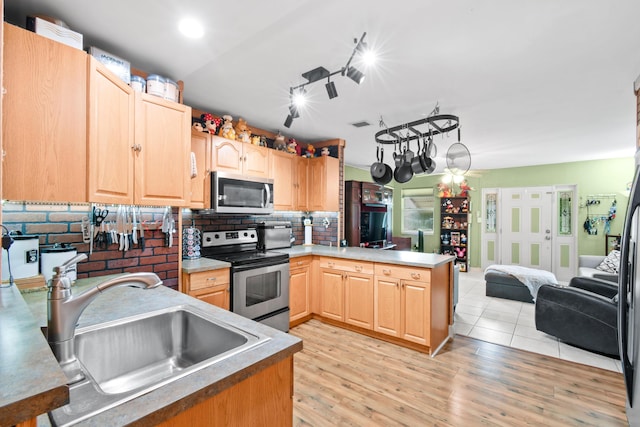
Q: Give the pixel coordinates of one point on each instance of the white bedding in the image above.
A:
(530, 277)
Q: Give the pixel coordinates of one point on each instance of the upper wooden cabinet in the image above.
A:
(239, 157)
(162, 151)
(201, 183)
(289, 175)
(139, 144)
(44, 129)
(324, 184)
(111, 136)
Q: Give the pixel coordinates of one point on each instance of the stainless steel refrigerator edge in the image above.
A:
(629, 301)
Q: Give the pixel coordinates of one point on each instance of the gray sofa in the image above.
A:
(587, 268)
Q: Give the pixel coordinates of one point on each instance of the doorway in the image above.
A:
(532, 227)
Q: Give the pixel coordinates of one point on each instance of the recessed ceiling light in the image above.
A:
(191, 28)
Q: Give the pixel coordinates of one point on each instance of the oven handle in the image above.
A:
(264, 264)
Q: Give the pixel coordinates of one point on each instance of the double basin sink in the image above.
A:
(126, 358)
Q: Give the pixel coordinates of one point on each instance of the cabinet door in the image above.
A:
(332, 294)
(255, 160)
(162, 157)
(111, 136)
(301, 178)
(218, 296)
(226, 155)
(386, 311)
(284, 184)
(358, 303)
(324, 184)
(299, 281)
(416, 312)
(44, 133)
(201, 184)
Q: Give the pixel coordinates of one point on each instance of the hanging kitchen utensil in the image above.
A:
(404, 173)
(458, 159)
(428, 156)
(388, 173)
(377, 168)
(416, 162)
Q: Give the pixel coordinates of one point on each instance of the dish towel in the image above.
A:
(530, 277)
(194, 169)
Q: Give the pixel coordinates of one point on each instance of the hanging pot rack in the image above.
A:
(432, 125)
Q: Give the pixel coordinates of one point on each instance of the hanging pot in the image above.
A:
(428, 155)
(388, 173)
(404, 173)
(416, 162)
(378, 168)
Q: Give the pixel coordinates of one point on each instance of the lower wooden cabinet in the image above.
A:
(346, 291)
(402, 298)
(211, 286)
(299, 288)
(264, 399)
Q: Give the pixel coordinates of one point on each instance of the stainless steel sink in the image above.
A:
(126, 358)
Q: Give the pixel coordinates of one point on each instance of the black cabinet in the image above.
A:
(454, 229)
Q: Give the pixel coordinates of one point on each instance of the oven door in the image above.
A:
(258, 291)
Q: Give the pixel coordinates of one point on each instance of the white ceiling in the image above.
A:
(533, 81)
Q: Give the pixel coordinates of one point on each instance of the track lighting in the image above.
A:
(288, 121)
(331, 89)
(355, 75)
(296, 93)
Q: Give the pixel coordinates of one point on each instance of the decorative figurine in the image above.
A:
(279, 143)
(227, 131)
(209, 123)
(242, 131)
(310, 151)
(325, 151)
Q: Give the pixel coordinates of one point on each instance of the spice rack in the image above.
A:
(454, 229)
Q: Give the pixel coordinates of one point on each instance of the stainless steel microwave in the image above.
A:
(238, 194)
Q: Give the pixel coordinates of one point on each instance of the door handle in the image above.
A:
(547, 237)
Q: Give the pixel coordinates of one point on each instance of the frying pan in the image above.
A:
(417, 165)
(378, 168)
(403, 173)
(388, 173)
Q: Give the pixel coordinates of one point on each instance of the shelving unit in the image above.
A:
(454, 229)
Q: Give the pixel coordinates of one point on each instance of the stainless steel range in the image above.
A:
(259, 279)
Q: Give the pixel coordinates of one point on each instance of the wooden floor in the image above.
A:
(343, 378)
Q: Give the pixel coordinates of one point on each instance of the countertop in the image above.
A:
(202, 264)
(178, 395)
(415, 259)
(31, 381)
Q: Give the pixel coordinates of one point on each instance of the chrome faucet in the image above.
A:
(64, 309)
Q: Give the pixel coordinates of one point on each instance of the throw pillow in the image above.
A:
(611, 263)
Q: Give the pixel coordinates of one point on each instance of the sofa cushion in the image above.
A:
(611, 263)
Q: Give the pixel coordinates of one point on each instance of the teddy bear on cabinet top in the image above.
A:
(227, 130)
(279, 143)
(243, 133)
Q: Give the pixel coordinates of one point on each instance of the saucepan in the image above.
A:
(403, 173)
(417, 163)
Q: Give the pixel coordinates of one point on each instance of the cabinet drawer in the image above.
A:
(402, 272)
(208, 279)
(347, 265)
(299, 262)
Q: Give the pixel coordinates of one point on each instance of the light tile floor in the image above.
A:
(512, 323)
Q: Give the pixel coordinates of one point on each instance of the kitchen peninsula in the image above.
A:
(398, 296)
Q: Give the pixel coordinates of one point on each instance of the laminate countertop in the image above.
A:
(120, 302)
(414, 259)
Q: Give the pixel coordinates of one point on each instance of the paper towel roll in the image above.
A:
(307, 235)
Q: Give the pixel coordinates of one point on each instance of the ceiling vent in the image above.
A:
(360, 124)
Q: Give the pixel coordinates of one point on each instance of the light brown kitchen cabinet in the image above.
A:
(324, 184)
(44, 135)
(111, 136)
(299, 289)
(347, 291)
(162, 142)
(201, 183)
(289, 173)
(402, 297)
(239, 157)
(138, 144)
(211, 286)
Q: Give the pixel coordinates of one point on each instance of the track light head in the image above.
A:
(355, 75)
(288, 121)
(331, 90)
(293, 111)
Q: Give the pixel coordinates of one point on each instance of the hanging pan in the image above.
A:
(387, 176)
(377, 168)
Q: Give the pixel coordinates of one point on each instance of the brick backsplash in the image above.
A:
(320, 234)
(62, 223)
